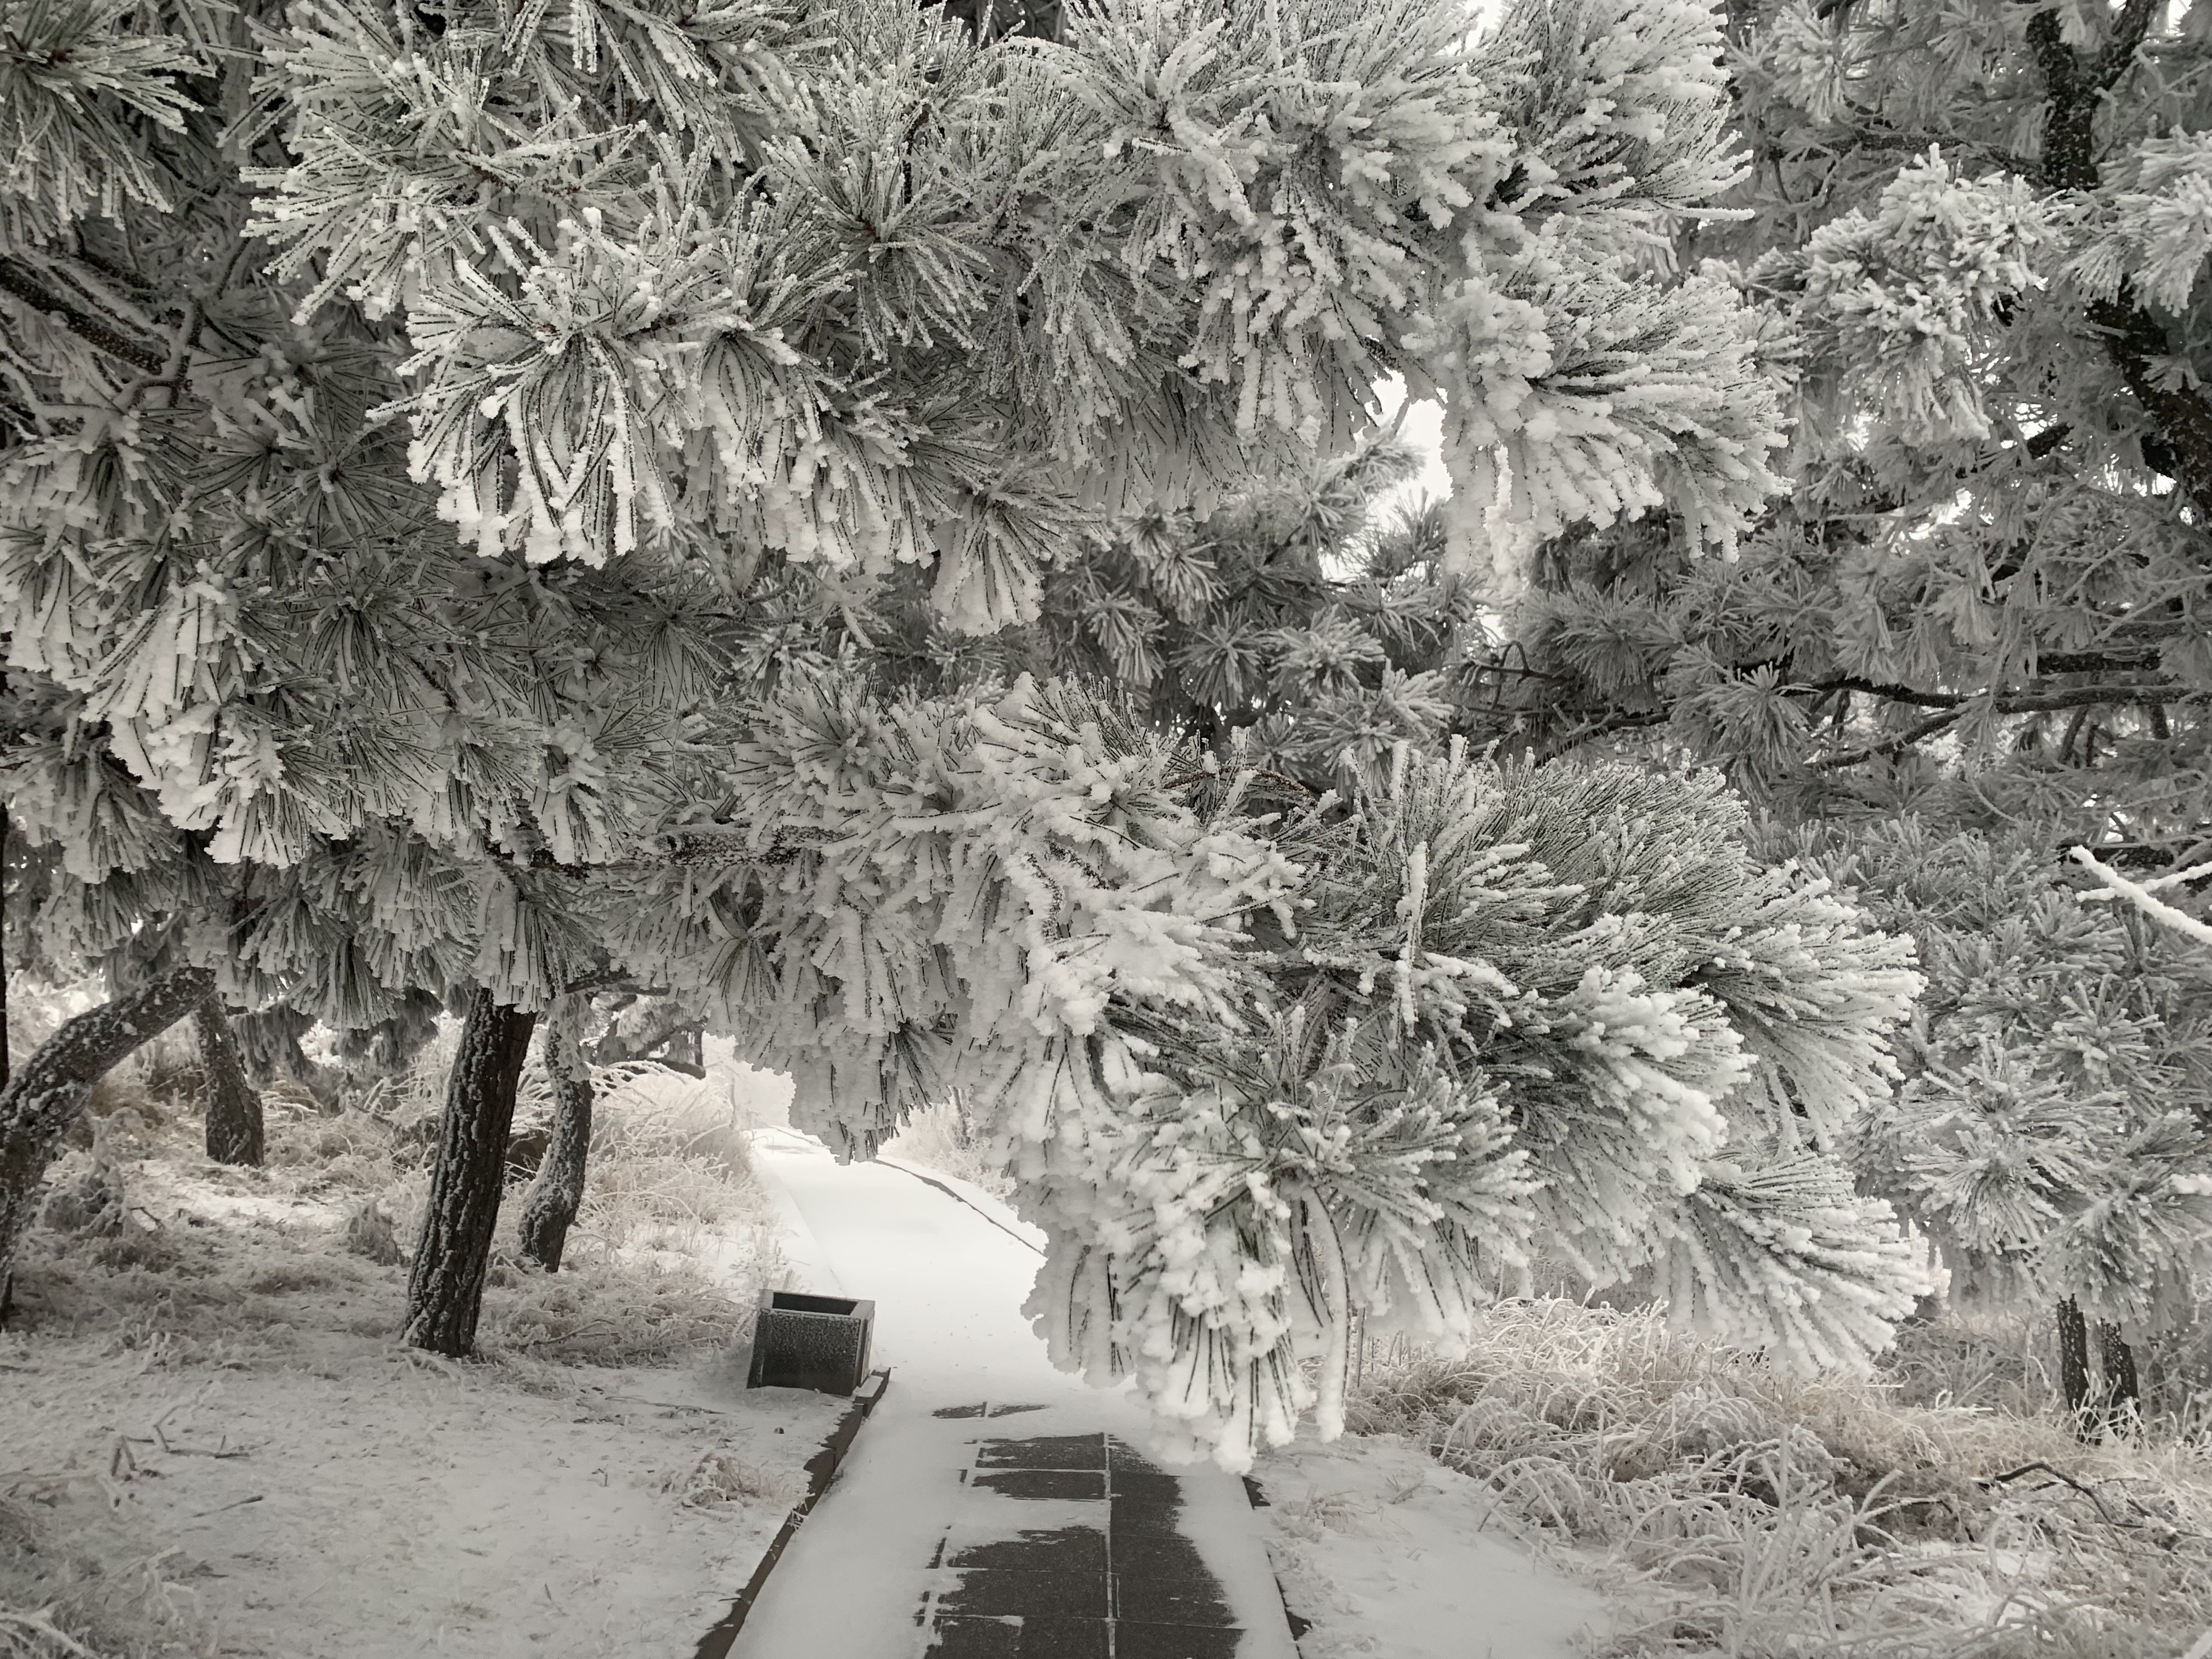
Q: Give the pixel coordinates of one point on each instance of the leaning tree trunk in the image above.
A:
(445, 1292)
(553, 1202)
(48, 1091)
(2123, 1396)
(233, 1104)
(2074, 1363)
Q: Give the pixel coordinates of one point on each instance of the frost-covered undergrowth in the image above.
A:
(214, 1443)
(948, 1140)
(1740, 1511)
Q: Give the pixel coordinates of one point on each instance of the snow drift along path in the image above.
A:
(985, 1472)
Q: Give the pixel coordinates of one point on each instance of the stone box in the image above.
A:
(817, 1342)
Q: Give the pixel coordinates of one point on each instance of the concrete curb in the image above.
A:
(1256, 1495)
(821, 1469)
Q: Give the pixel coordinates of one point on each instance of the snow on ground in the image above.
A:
(358, 1505)
(1383, 1552)
(212, 1444)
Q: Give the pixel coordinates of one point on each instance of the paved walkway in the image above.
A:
(992, 1507)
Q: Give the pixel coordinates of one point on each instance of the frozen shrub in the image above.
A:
(1756, 1514)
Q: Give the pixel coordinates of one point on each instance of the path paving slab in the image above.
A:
(1117, 1574)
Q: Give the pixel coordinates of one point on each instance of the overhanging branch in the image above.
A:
(2024, 702)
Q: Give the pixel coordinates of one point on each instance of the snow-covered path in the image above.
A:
(985, 1473)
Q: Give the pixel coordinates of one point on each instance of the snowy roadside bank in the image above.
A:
(211, 1444)
(358, 1505)
(1381, 1551)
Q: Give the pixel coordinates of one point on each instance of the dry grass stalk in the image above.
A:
(1763, 1516)
(721, 1476)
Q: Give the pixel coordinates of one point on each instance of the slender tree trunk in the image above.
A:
(5, 827)
(233, 1104)
(554, 1200)
(2123, 1397)
(444, 1293)
(2074, 1361)
(45, 1095)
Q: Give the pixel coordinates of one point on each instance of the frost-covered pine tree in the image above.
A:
(2053, 1133)
(1976, 231)
(411, 414)
(1299, 627)
(1303, 626)
(1982, 605)
(1260, 1062)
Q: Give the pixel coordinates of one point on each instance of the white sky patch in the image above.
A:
(1424, 427)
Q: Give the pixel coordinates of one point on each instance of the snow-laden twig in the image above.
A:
(20, 1631)
(2157, 884)
(2141, 897)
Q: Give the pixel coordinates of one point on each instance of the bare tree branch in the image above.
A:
(87, 327)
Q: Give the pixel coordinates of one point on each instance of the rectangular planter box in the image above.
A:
(817, 1342)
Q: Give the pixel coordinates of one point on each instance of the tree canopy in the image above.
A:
(453, 453)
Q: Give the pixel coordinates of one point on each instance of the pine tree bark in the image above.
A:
(47, 1092)
(2074, 1361)
(2123, 1395)
(559, 1191)
(445, 1292)
(5, 827)
(233, 1104)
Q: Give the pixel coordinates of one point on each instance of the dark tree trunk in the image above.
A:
(2123, 1398)
(2074, 1361)
(3, 955)
(233, 1104)
(445, 1292)
(44, 1096)
(553, 1202)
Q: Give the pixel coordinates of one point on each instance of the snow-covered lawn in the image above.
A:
(1386, 1553)
(1725, 1508)
(348, 1504)
(210, 1442)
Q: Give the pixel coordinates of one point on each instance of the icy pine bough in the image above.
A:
(1258, 1071)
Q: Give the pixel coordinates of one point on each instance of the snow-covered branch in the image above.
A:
(2141, 894)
